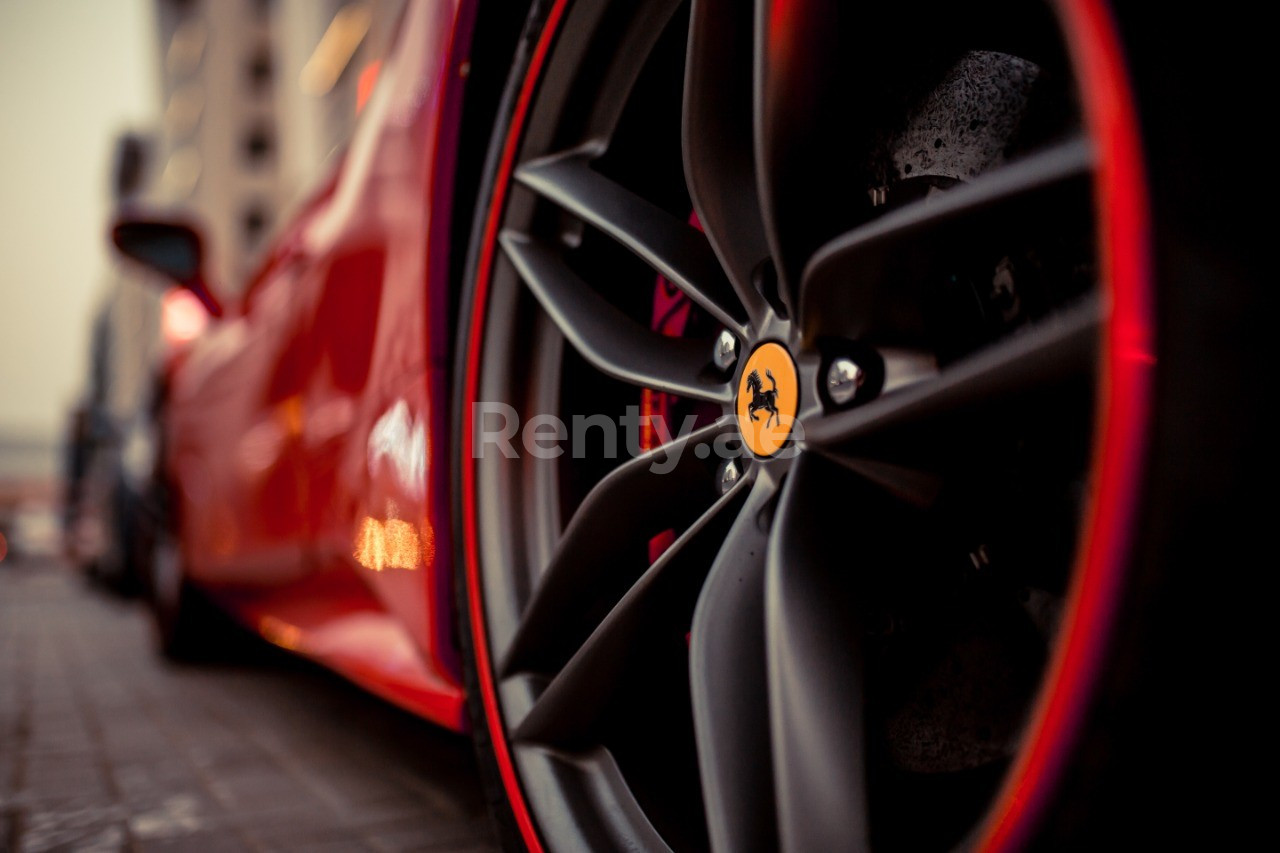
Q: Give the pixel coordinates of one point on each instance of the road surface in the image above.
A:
(105, 747)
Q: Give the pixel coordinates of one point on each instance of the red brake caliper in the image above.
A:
(670, 316)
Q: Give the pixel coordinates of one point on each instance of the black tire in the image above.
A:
(504, 34)
(188, 627)
(112, 568)
(181, 616)
(123, 567)
(1163, 749)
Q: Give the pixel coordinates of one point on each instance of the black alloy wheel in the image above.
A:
(848, 629)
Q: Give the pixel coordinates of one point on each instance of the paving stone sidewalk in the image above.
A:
(104, 747)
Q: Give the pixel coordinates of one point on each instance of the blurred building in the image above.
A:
(257, 94)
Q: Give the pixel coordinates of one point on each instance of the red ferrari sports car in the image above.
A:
(761, 425)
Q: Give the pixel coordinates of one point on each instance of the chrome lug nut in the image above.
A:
(726, 350)
(844, 377)
(729, 474)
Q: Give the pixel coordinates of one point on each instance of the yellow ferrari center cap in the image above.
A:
(768, 395)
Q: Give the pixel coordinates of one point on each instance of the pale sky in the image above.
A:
(73, 73)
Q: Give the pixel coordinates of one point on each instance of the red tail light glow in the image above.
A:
(182, 316)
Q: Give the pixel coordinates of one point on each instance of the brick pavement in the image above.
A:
(104, 747)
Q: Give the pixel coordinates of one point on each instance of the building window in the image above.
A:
(259, 145)
(253, 223)
(181, 173)
(182, 113)
(186, 47)
(259, 70)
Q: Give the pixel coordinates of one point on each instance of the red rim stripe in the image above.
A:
(1123, 412)
(493, 715)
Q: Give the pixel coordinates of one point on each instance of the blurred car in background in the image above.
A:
(28, 520)
(109, 509)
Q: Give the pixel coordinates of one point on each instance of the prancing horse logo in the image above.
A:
(765, 417)
(761, 399)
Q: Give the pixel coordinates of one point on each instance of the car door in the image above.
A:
(235, 429)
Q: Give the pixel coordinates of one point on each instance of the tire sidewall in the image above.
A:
(491, 775)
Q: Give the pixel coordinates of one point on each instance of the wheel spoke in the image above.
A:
(637, 500)
(914, 485)
(661, 602)
(795, 49)
(1060, 347)
(728, 682)
(852, 277)
(625, 64)
(672, 247)
(815, 662)
(719, 161)
(607, 338)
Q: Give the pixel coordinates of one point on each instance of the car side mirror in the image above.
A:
(173, 249)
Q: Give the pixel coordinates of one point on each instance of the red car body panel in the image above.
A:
(308, 430)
